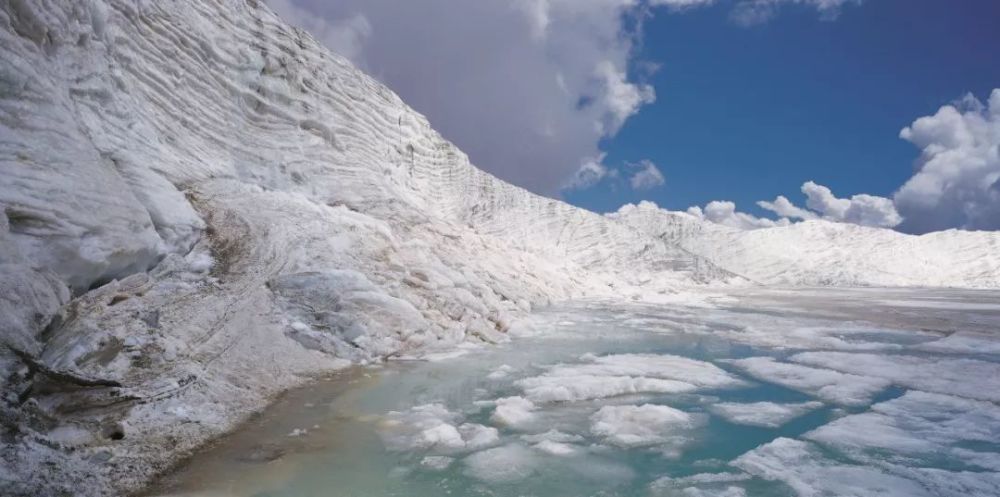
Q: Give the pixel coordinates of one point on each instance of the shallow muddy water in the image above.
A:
(764, 393)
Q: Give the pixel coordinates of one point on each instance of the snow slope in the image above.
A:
(827, 253)
(201, 207)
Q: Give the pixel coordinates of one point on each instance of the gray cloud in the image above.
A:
(527, 88)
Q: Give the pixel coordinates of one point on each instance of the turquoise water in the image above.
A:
(360, 436)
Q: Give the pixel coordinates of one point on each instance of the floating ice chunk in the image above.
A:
(919, 426)
(431, 427)
(857, 338)
(840, 388)
(764, 414)
(637, 426)
(623, 374)
(803, 467)
(946, 375)
(500, 373)
(702, 484)
(555, 448)
(965, 343)
(552, 436)
(298, 432)
(573, 388)
(671, 367)
(513, 411)
(504, 464)
(437, 463)
(724, 492)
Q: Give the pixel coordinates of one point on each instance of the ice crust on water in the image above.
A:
(809, 473)
(764, 414)
(920, 427)
(637, 426)
(946, 375)
(622, 374)
(832, 386)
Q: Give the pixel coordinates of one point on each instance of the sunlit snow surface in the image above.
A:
(768, 393)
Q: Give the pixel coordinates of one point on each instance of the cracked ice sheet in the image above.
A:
(919, 428)
(832, 386)
(623, 374)
(934, 374)
(804, 468)
(763, 414)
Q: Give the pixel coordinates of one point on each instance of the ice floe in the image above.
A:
(764, 414)
(919, 428)
(504, 464)
(637, 426)
(947, 375)
(433, 427)
(622, 374)
(832, 386)
(805, 469)
(513, 411)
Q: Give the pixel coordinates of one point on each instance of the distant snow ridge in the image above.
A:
(827, 253)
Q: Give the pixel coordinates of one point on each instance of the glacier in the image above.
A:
(203, 207)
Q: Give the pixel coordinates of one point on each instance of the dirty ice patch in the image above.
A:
(970, 378)
(433, 427)
(833, 386)
(923, 428)
(763, 414)
(639, 426)
(805, 469)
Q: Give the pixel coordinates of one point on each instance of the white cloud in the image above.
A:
(724, 212)
(647, 177)
(751, 12)
(528, 88)
(957, 183)
(863, 209)
(785, 208)
(591, 172)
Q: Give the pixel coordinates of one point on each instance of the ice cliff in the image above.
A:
(200, 206)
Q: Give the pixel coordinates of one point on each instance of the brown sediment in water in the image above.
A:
(267, 438)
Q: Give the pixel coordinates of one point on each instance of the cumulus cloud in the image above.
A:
(821, 203)
(646, 177)
(528, 88)
(751, 12)
(785, 208)
(724, 212)
(591, 172)
(957, 181)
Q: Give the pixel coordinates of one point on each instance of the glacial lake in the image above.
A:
(763, 392)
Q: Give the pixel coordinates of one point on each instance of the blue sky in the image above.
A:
(557, 96)
(748, 113)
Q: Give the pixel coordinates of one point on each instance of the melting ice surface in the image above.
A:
(769, 394)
